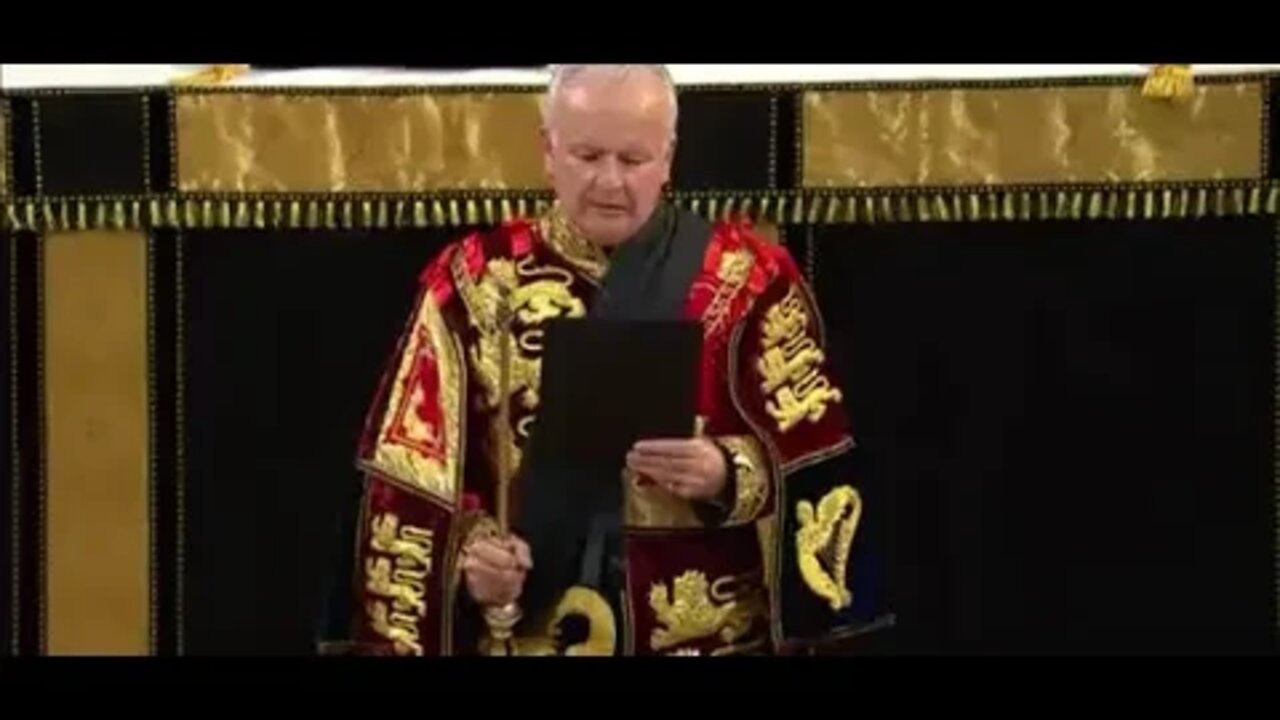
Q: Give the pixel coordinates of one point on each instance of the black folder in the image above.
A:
(607, 383)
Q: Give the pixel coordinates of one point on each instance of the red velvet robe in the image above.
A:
(777, 566)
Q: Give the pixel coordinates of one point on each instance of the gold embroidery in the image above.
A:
(823, 541)
(406, 588)
(752, 472)
(600, 638)
(695, 609)
(409, 447)
(546, 297)
(734, 266)
(784, 321)
(398, 570)
(789, 365)
(397, 627)
(569, 244)
(537, 294)
(408, 544)
(734, 269)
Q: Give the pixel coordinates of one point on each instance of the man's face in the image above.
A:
(608, 147)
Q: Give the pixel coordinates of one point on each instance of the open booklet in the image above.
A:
(606, 384)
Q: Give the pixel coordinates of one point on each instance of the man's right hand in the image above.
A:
(495, 569)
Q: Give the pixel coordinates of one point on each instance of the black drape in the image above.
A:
(1074, 423)
(286, 337)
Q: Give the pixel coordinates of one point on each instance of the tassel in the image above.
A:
(212, 75)
(1169, 82)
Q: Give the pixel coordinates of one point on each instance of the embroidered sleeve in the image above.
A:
(783, 379)
(411, 514)
(749, 478)
(786, 386)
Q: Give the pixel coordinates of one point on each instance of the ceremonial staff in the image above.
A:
(502, 620)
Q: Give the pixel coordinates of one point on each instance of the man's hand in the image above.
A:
(496, 568)
(691, 468)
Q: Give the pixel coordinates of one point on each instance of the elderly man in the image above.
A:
(742, 539)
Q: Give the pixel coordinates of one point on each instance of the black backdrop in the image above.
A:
(7, 474)
(288, 334)
(1075, 424)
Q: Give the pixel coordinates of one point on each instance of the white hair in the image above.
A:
(562, 75)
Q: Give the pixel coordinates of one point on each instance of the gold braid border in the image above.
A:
(814, 207)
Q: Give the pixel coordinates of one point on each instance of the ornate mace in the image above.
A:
(502, 619)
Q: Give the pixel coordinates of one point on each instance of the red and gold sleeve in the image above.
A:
(413, 517)
(785, 386)
(735, 270)
(748, 491)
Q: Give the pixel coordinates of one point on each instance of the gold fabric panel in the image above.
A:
(1030, 135)
(343, 143)
(98, 540)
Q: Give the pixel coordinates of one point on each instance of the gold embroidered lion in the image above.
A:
(387, 538)
(790, 365)
(409, 593)
(823, 542)
(695, 609)
(545, 295)
(396, 627)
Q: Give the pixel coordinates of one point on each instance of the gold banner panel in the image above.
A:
(1030, 135)
(341, 143)
(98, 540)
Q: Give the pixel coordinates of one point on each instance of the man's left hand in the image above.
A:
(691, 468)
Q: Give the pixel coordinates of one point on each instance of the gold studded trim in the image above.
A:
(1138, 202)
